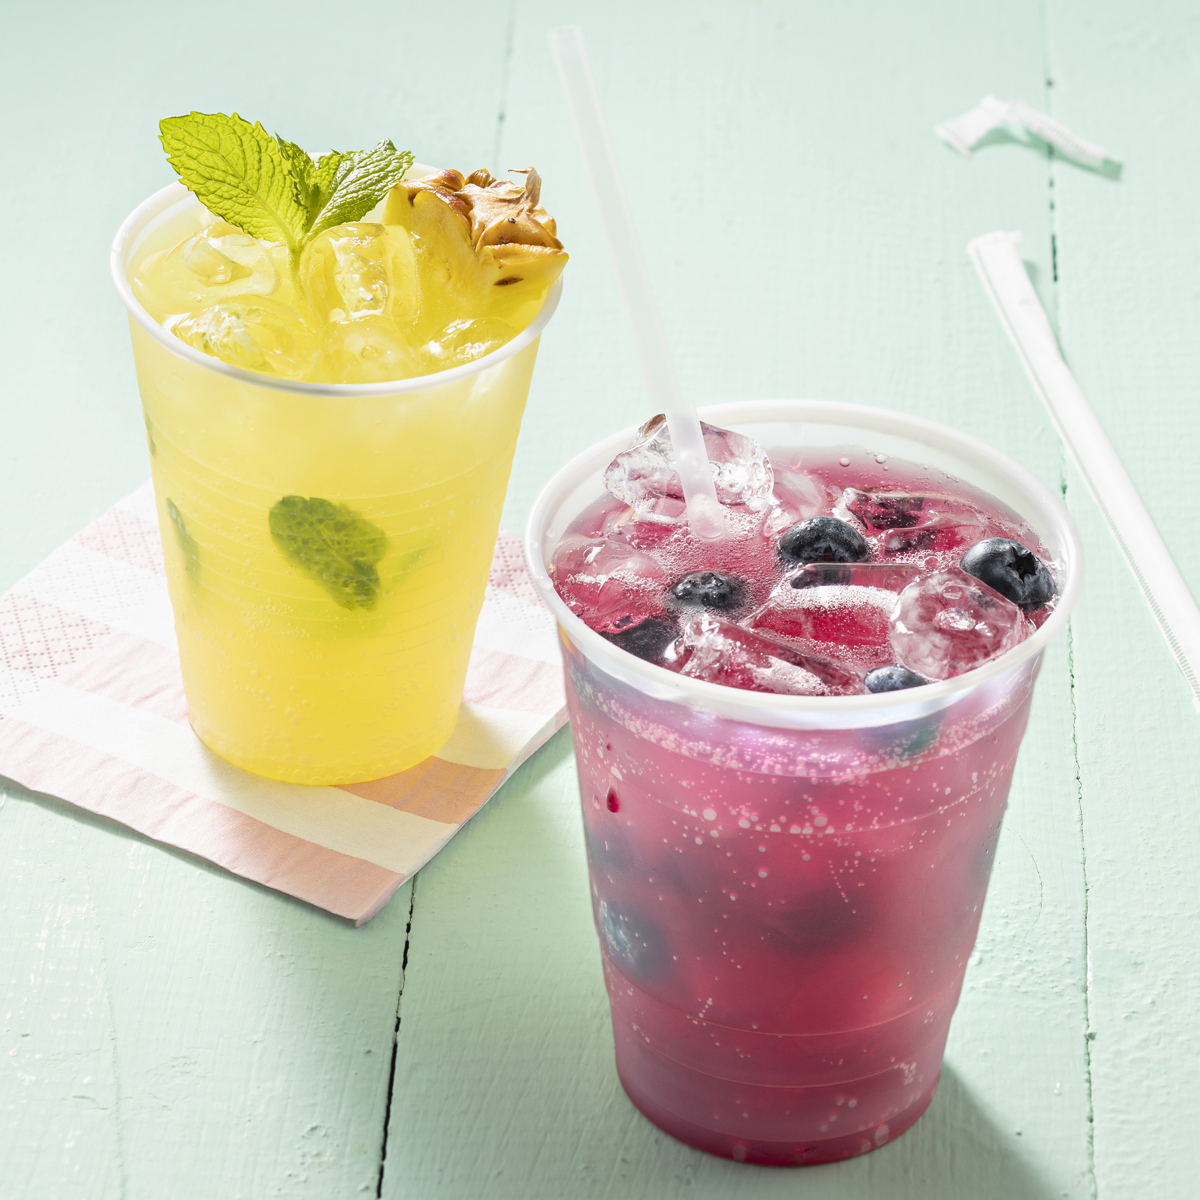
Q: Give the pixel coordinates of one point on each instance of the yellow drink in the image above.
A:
(326, 546)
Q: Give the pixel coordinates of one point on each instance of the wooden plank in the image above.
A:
(1128, 256)
(166, 1029)
(847, 279)
(163, 1021)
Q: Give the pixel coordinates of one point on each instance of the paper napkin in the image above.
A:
(92, 711)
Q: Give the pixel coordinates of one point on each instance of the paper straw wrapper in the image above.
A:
(966, 132)
(1007, 284)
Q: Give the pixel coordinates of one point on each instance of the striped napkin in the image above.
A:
(92, 711)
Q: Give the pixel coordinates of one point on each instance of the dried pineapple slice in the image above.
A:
(484, 247)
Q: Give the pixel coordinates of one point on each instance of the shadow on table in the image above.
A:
(955, 1150)
(505, 1034)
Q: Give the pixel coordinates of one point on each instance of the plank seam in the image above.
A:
(1088, 1032)
(391, 1084)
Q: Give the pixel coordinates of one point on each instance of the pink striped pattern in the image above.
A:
(92, 711)
(42, 639)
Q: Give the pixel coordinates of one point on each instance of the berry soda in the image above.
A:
(794, 748)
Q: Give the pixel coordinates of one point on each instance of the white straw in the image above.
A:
(1007, 284)
(705, 518)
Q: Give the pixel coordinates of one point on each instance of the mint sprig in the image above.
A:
(269, 187)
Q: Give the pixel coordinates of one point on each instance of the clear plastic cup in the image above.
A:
(347, 664)
(787, 888)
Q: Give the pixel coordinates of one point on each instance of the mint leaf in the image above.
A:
(362, 179)
(187, 544)
(333, 544)
(314, 181)
(269, 187)
(239, 172)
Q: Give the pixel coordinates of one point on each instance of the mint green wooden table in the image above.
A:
(169, 1031)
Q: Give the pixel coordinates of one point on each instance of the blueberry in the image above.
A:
(637, 947)
(892, 679)
(816, 923)
(1012, 570)
(709, 589)
(647, 639)
(823, 539)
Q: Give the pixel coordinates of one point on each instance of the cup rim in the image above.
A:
(839, 711)
(174, 194)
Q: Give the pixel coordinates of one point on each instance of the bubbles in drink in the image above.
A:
(815, 585)
(840, 613)
(610, 584)
(632, 941)
(814, 893)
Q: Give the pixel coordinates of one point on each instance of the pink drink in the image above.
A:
(787, 886)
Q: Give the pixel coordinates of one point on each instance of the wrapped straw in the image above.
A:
(1007, 284)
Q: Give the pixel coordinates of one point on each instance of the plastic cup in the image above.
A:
(787, 889)
(349, 664)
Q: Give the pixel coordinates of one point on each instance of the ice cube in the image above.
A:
(892, 576)
(935, 535)
(222, 255)
(203, 257)
(465, 340)
(218, 263)
(656, 520)
(721, 652)
(259, 334)
(646, 474)
(367, 349)
(798, 495)
(841, 612)
(880, 509)
(647, 639)
(948, 622)
(883, 510)
(348, 271)
(795, 497)
(610, 584)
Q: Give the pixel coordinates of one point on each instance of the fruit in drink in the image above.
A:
(452, 268)
(326, 554)
(785, 913)
(836, 585)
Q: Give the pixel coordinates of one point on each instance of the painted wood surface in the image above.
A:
(168, 1030)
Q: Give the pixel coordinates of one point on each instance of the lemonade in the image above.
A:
(795, 745)
(331, 430)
